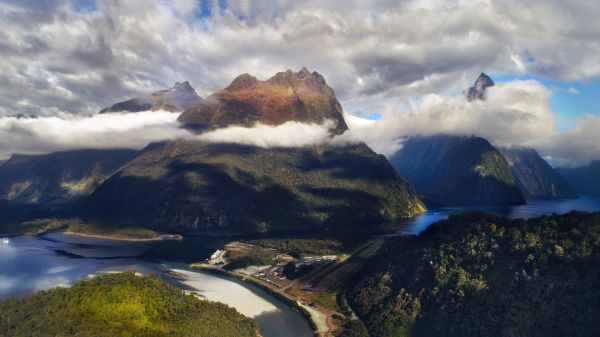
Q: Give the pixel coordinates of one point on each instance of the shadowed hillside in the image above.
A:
(58, 176)
(457, 171)
(192, 186)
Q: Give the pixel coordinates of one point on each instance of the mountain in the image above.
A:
(287, 96)
(58, 176)
(451, 170)
(585, 179)
(535, 177)
(477, 91)
(481, 275)
(190, 186)
(180, 97)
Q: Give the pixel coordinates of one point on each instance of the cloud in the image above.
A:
(289, 134)
(514, 112)
(117, 130)
(57, 57)
(575, 147)
(573, 91)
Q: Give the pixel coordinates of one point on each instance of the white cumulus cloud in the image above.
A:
(288, 134)
(115, 130)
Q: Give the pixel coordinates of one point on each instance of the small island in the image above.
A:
(121, 305)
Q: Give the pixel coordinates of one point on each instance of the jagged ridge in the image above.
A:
(287, 96)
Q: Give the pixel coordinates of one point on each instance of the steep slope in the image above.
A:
(58, 176)
(457, 171)
(189, 186)
(477, 91)
(176, 99)
(585, 179)
(535, 177)
(481, 275)
(287, 96)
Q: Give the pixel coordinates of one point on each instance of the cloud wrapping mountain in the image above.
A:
(514, 112)
(118, 130)
(288, 134)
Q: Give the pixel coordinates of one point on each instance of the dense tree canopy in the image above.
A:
(121, 305)
(480, 275)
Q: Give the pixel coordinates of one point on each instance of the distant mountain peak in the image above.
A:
(477, 91)
(175, 99)
(184, 86)
(243, 81)
(287, 96)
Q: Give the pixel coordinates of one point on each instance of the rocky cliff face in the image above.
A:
(59, 176)
(535, 177)
(176, 99)
(188, 186)
(457, 171)
(287, 96)
(477, 91)
(585, 179)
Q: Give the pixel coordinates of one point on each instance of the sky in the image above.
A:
(404, 63)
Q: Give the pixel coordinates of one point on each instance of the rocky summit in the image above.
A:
(176, 99)
(478, 90)
(288, 96)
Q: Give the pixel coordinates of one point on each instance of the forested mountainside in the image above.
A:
(452, 170)
(190, 186)
(481, 275)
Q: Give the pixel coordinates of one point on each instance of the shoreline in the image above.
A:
(287, 299)
(161, 237)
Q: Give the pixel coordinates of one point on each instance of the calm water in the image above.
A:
(532, 209)
(29, 264)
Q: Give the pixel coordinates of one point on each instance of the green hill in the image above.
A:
(187, 186)
(121, 305)
(480, 275)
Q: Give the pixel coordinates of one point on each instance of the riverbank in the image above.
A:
(316, 319)
(305, 278)
(77, 227)
(160, 237)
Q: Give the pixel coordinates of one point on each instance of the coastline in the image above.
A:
(161, 237)
(308, 315)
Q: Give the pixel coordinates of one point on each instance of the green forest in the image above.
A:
(121, 305)
(481, 275)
